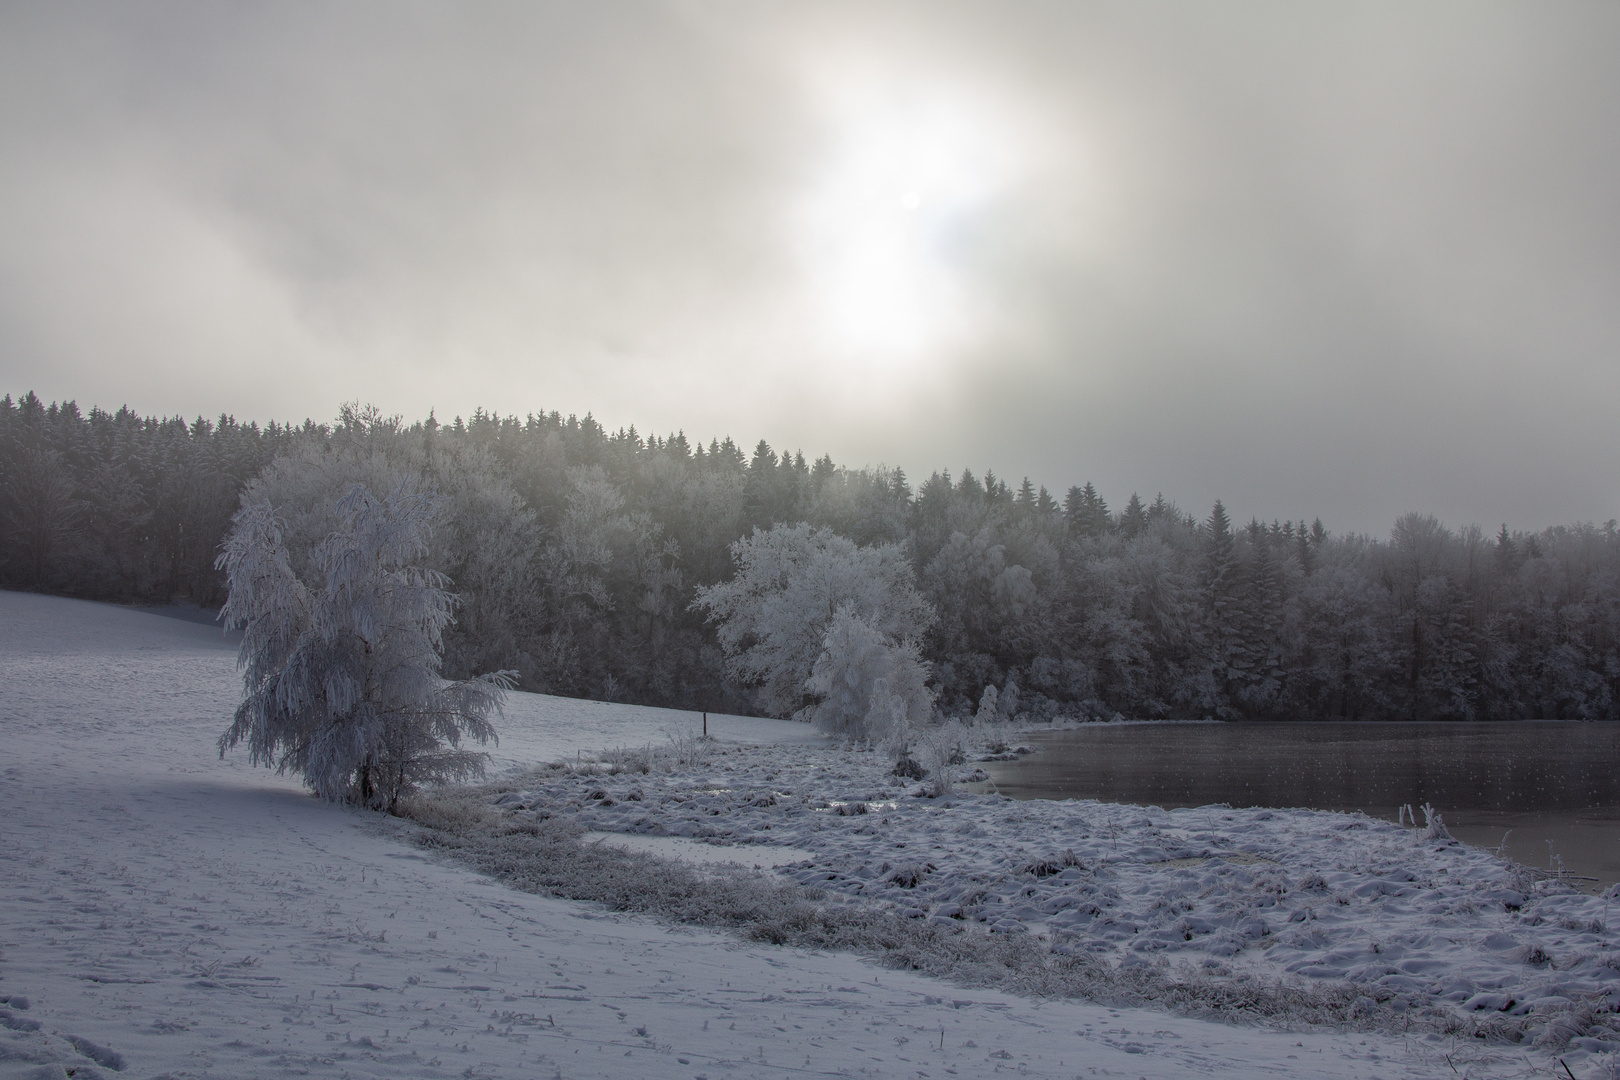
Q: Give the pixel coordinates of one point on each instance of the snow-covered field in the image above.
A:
(166, 913)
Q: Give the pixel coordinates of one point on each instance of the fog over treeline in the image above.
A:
(576, 552)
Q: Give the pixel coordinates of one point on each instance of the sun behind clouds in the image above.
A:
(884, 228)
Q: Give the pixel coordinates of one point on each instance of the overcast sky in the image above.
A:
(1344, 261)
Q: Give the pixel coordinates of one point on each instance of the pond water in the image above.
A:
(1552, 789)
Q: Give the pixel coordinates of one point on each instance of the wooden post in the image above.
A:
(705, 724)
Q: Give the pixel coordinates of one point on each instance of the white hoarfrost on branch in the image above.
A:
(342, 672)
(829, 631)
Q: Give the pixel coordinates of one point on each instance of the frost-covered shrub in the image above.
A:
(688, 746)
(907, 875)
(1535, 955)
(1054, 864)
(908, 768)
(628, 759)
(939, 749)
(1434, 826)
(341, 664)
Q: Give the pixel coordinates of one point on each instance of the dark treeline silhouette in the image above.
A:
(576, 552)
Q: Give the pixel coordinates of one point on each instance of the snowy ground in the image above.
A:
(1429, 931)
(165, 913)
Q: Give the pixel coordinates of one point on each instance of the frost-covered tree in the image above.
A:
(341, 666)
(870, 687)
(1086, 512)
(989, 710)
(988, 607)
(1008, 705)
(481, 535)
(774, 614)
(40, 510)
(483, 538)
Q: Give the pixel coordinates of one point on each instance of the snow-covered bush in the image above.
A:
(341, 665)
(688, 745)
(791, 584)
(892, 717)
(870, 688)
(939, 749)
(1434, 826)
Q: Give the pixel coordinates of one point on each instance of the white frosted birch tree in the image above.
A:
(341, 672)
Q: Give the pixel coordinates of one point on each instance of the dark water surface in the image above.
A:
(1544, 781)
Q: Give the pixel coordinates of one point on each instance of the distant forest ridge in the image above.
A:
(576, 553)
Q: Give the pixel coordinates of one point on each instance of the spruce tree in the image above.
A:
(1220, 593)
(1133, 519)
(1024, 501)
(1507, 552)
(1046, 507)
(1086, 513)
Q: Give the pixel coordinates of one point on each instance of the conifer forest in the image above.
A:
(577, 553)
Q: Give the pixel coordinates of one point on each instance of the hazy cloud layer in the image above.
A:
(1344, 261)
